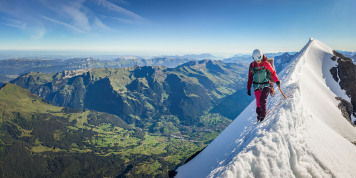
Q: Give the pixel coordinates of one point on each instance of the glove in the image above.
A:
(278, 83)
(249, 93)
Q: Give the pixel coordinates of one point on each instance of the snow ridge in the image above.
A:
(304, 135)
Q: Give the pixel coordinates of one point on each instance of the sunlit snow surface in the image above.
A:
(304, 135)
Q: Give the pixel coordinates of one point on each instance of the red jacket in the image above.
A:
(264, 63)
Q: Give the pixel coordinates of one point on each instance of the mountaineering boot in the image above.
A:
(261, 119)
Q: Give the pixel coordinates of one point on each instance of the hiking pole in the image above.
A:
(281, 91)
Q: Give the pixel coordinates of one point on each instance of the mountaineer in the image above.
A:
(261, 75)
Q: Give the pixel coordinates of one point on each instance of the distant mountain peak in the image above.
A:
(203, 62)
(200, 56)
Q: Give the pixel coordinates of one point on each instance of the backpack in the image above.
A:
(271, 61)
(262, 76)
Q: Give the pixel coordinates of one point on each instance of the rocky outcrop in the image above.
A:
(345, 74)
(346, 109)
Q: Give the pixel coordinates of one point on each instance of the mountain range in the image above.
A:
(13, 67)
(144, 92)
(150, 119)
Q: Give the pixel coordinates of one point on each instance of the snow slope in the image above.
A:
(304, 135)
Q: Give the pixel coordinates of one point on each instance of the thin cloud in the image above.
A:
(79, 19)
(98, 23)
(111, 6)
(36, 17)
(124, 20)
(14, 23)
(69, 12)
(63, 23)
(38, 33)
(24, 18)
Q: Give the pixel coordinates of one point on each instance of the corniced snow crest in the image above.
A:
(304, 135)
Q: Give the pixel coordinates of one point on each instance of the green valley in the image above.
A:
(41, 140)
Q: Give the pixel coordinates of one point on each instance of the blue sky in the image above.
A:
(169, 27)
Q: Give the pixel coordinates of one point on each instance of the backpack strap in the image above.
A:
(252, 67)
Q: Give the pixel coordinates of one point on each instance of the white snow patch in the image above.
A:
(304, 135)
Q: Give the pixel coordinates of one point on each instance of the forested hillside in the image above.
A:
(41, 140)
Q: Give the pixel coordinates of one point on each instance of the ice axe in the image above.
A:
(281, 91)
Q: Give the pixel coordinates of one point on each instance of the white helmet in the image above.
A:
(257, 55)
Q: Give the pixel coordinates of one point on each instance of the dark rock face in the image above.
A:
(346, 108)
(345, 74)
(333, 72)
